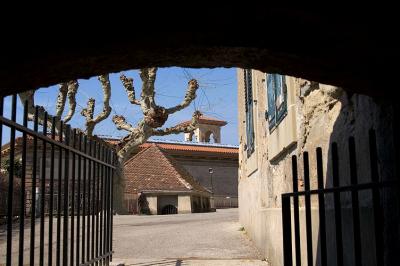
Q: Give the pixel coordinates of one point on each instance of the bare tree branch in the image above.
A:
(105, 82)
(148, 76)
(181, 128)
(189, 97)
(73, 86)
(88, 112)
(29, 96)
(120, 123)
(130, 89)
(62, 95)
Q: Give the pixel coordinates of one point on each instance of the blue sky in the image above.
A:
(216, 97)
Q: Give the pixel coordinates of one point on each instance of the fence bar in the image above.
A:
(101, 204)
(42, 192)
(66, 195)
(97, 177)
(355, 202)
(376, 203)
(113, 159)
(33, 192)
(23, 193)
(108, 206)
(84, 201)
(93, 208)
(308, 209)
(11, 181)
(287, 231)
(89, 202)
(59, 191)
(51, 203)
(321, 207)
(296, 211)
(337, 207)
(78, 211)
(73, 196)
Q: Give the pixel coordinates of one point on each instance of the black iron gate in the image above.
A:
(339, 230)
(64, 212)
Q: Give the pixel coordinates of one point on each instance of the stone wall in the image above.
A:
(322, 114)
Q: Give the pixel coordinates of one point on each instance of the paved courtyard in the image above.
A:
(183, 239)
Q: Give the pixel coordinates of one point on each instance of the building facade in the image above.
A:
(282, 116)
(201, 154)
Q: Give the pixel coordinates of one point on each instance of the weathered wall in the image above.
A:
(224, 175)
(153, 204)
(184, 204)
(323, 114)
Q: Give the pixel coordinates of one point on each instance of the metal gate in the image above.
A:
(63, 214)
(346, 235)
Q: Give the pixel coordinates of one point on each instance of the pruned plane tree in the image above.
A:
(153, 119)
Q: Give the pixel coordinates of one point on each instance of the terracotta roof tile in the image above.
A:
(196, 148)
(152, 169)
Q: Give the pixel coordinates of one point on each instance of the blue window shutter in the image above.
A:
(271, 100)
(281, 98)
(249, 111)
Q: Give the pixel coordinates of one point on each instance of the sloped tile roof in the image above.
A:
(152, 169)
(197, 148)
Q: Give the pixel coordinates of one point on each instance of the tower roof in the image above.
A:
(207, 120)
(152, 169)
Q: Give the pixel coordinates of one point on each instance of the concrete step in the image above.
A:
(188, 262)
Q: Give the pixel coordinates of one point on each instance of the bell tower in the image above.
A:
(208, 130)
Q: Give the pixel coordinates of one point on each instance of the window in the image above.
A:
(249, 111)
(277, 100)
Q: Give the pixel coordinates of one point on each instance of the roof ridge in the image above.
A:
(140, 152)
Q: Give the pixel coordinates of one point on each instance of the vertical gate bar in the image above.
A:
(107, 232)
(43, 192)
(308, 209)
(66, 197)
(78, 211)
(337, 207)
(105, 205)
(84, 201)
(11, 181)
(59, 191)
(321, 207)
(287, 231)
(73, 171)
(378, 216)
(296, 211)
(101, 203)
(97, 199)
(33, 192)
(88, 213)
(113, 159)
(355, 203)
(23, 198)
(51, 200)
(93, 198)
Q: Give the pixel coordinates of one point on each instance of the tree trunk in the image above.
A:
(119, 189)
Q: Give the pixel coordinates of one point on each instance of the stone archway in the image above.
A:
(334, 46)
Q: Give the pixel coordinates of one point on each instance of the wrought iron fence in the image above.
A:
(342, 239)
(65, 206)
